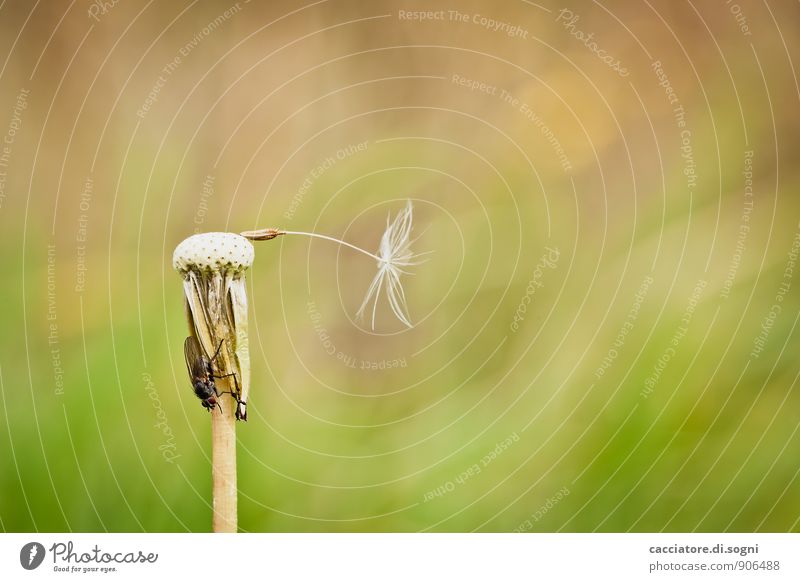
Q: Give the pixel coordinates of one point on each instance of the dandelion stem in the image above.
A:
(336, 240)
(223, 464)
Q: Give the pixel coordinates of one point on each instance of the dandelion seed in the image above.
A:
(394, 256)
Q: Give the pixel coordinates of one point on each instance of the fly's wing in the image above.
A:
(194, 358)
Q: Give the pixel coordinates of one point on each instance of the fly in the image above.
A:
(202, 376)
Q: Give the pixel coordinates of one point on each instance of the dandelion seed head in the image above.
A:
(213, 251)
(213, 265)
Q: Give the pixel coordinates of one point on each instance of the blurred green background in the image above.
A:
(605, 332)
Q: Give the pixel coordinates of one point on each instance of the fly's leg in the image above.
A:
(220, 376)
(219, 347)
(235, 382)
(241, 411)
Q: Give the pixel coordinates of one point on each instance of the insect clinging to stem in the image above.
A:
(202, 376)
